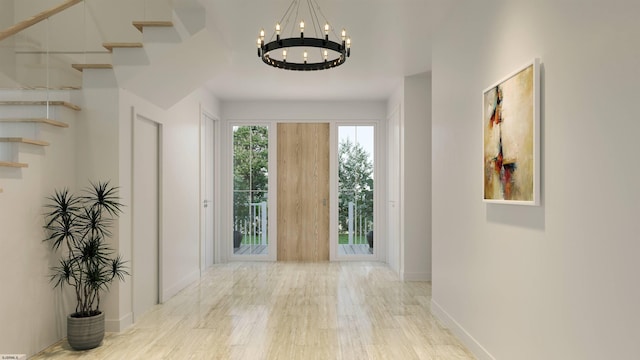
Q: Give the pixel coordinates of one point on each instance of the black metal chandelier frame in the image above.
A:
(342, 48)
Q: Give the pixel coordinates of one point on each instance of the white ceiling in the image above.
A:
(390, 39)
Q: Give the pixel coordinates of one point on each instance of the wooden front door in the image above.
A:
(303, 192)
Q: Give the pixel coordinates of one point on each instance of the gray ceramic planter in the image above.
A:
(85, 333)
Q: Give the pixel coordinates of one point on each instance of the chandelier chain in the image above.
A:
(296, 19)
(314, 19)
(316, 22)
(283, 22)
(333, 30)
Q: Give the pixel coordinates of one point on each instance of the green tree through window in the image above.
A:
(250, 174)
(355, 184)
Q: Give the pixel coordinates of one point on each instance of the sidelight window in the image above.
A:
(250, 189)
(355, 190)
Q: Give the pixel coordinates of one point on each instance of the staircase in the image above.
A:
(171, 60)
(28, 125)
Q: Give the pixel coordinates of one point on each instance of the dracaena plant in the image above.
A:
(78, 227)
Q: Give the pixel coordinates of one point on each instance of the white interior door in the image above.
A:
(145, 215)
(207, 197)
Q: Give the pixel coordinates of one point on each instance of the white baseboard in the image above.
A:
(183, 283)
(118, 325)
(395, 271)
(449, 322)
(419, 276)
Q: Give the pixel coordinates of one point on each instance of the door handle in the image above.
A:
(205, 203)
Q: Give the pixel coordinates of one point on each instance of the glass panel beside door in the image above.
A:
(250, 189)
(355, 190)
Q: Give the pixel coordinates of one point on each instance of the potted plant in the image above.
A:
(237, 239)
(78, 227)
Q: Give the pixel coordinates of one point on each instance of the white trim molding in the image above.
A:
(177, 287)
(469, 341)
(415, 276)
(119, 325)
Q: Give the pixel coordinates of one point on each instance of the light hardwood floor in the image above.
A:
(286, 311)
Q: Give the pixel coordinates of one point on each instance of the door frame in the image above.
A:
(378, 149)
(226, 184)
(227, 181)
(215, 206)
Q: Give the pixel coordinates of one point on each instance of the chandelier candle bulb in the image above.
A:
(326, 55)
(344, 34)
(302, 28)
(284, 55)
(305, 56)
(262, 34)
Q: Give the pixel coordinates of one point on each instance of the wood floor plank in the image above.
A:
(280, 310)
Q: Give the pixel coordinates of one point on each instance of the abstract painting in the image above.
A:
(511, 138)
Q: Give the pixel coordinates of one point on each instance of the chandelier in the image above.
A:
(304, 51)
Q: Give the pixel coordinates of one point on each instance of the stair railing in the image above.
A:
(24, 24)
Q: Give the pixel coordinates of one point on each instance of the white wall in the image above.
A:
(96, 147)
(559, 281)
(395, 121)
(32, 313)
(86, 25)
(409, 207)
(416, 175)
(180, 187)
(303, 110)
(7, 57)
(97, 156)
(181, 191)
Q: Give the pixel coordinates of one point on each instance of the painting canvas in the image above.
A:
(511, 143)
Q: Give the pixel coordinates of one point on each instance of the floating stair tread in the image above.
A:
(38, 120)
(52, 103)
(24, 141)
(142, 24)
(121, 45)
(81, 67)
(61, 87)
(13, 164)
